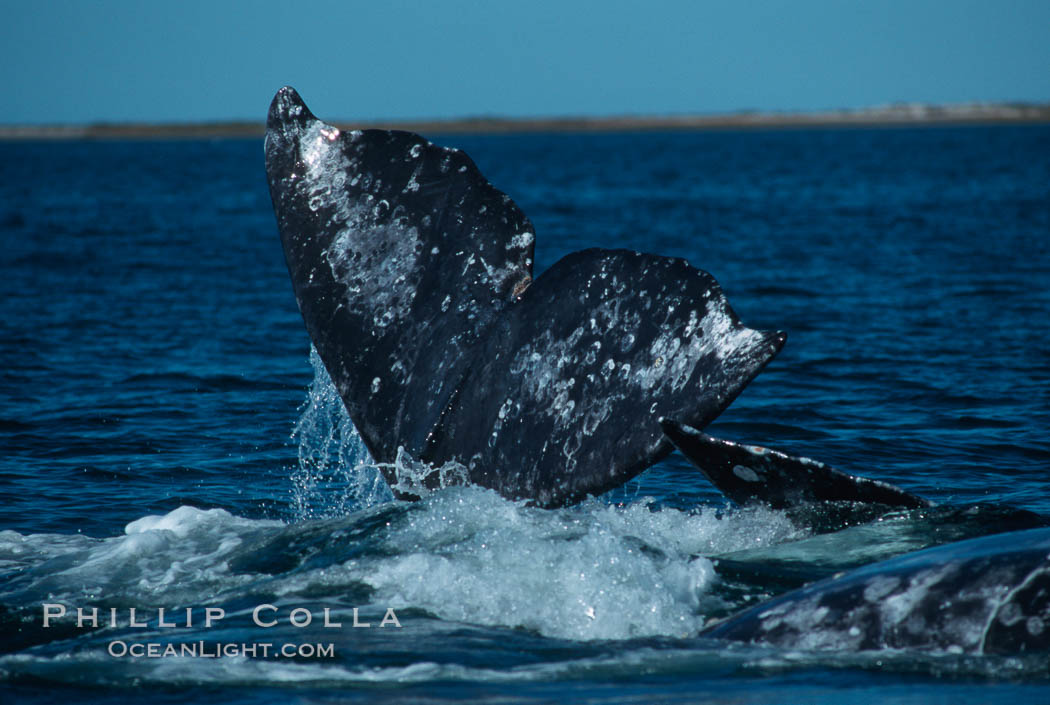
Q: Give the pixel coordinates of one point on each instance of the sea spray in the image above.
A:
(336, 474)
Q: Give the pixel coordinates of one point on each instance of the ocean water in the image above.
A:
(171, 442)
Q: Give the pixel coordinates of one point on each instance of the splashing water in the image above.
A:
(336, 474)
(592, 571)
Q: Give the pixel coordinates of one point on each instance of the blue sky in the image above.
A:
(183, 60)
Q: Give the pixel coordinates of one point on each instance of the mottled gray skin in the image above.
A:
(566, 392)
(982, 596)
(414, 278)
(748, 474)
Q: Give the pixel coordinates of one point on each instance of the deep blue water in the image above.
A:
(154, 366)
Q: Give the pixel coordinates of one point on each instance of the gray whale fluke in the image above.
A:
(414, 278)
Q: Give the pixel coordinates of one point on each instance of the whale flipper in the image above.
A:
(746, 474)
(413, 275)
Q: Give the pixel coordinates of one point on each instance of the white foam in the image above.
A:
(590, 572)
(171, 558)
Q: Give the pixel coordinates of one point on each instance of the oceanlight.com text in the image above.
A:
(202, 649)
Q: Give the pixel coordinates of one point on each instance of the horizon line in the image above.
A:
(886, 115)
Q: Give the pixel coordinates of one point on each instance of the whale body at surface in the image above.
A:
(989, 595)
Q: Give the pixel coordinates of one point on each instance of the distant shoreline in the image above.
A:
(897, 115)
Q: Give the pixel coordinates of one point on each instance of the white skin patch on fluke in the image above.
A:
(745, 473)
(387, 286)
(581, 383)
(376, 262)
